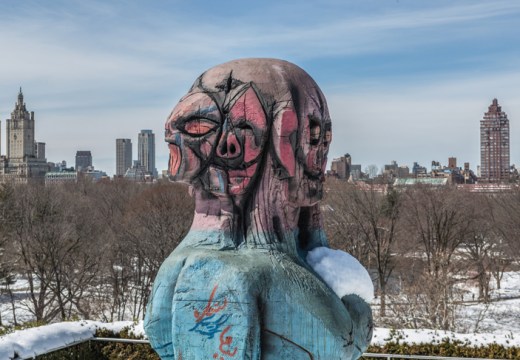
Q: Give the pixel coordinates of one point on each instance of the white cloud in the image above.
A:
(431, 119)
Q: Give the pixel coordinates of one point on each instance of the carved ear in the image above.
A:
(284, 141)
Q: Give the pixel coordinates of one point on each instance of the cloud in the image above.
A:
(425, 121)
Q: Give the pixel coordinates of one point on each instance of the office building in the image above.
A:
(123, 156)
(40, 150)
(340, 167)
(146, 151)
(83, 160)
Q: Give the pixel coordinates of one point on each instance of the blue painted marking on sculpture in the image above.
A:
(221, 182)
(210, 326)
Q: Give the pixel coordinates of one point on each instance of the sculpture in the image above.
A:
(251, 137)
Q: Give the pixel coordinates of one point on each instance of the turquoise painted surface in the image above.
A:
(251, 304)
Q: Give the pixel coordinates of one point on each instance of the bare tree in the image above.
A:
(484, 249)
(373, 217)
(506, 217)
(158, 220)
(342, 231)
(371, 170)
(113, 201)
(54, 248)
(142, 223)
(440, 221)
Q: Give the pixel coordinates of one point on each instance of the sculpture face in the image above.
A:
(315, 144)
(221, 144)
(218, 132)
(304, 159)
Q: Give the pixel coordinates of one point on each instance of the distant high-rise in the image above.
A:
(452, 162)
(494, 145)
(20, 132)
(83, 160)
(40, 150)
(146, 151)
(25, 157)
(123, 156)
(341, 166)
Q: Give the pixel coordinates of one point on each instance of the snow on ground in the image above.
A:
(422, 336)
(501, 316)
(40, 340)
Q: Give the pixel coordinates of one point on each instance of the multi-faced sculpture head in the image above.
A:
(238, 114)
(252, 137)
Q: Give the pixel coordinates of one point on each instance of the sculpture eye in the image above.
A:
(198, 127)
(314, 131)
(315, 135)
(328, 138)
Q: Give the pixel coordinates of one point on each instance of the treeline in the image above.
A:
(91, 250)
(421, 243)
(87, 250)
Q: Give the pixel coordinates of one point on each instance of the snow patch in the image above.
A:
(31, 342)
(342, 272)
(382, 336)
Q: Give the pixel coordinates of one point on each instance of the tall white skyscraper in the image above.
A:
(146, 151)
(123, 156)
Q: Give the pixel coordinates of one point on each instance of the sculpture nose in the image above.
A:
(228, 146)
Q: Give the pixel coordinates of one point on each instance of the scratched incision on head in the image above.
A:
(251, 138)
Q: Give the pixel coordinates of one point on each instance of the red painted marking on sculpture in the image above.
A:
(246, 120)
(225, 341)
(248, 107)
(288, 125)
(175, 159)
(211, 308)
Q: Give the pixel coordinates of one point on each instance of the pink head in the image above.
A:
(238, 114)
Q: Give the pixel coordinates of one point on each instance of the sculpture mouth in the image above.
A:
(239, 180)
(234, 182)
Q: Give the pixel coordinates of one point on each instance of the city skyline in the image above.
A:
(404, 81)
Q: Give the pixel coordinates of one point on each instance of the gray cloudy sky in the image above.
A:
(406, 80)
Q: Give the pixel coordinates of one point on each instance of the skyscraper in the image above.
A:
(20, 132)
(146, 151)
(39, 150)
(494, 145)
(123, 156)
(25, 157)
(83, 160)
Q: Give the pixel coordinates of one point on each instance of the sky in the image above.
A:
(405, 80)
